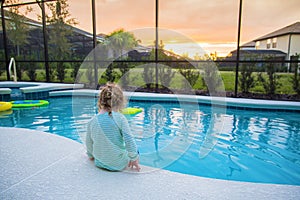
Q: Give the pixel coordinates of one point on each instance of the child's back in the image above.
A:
(109, 140)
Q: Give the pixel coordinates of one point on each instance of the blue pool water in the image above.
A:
(255, 146)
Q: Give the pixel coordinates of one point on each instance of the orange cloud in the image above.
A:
(202, 20)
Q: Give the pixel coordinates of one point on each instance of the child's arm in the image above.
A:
(89, 142)
(129, 141)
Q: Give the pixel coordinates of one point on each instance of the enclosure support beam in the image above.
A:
(94, 42)
(156, 45)
(238, 50)
(46, 52)
(5, 41)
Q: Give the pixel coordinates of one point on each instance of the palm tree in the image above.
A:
(120, 42)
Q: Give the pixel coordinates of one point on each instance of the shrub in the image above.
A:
(191, 75)
(31, 72)
(270, 83)
(246, 78)
(296, 78)
(124, 69)
(110, 74)
(211, 78)
(148, 75)
(75, 73)
(165, 75)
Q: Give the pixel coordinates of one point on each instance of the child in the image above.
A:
(109, 142)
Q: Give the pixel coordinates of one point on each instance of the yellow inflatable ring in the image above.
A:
(131, 111)
(5, 106)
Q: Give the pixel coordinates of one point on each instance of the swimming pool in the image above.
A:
(254, 146)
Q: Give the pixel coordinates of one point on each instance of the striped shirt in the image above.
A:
(110, 142)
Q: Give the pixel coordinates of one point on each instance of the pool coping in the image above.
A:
(54, 167)
(5, 90)
(28, 87)
(239, 103)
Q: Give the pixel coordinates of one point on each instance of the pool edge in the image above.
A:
(237, 103)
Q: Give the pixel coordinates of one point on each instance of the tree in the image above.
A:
(120, 42)
(60, 27)
(17, 29)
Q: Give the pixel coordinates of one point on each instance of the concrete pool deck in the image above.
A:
(38, 165)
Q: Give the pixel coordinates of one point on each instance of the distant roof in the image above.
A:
(85, 33)
(26, 20)
(35, 23)
(141, 49)
(102, 35)
(258, 52)
(248, 44)
(264, 51)
(291, 29)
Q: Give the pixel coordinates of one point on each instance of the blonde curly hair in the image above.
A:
(111, 98)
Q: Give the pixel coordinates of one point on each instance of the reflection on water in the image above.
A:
(237, 145)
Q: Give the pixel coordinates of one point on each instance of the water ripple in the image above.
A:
(237, 145)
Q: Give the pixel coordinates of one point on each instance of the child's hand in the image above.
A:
(135, 164)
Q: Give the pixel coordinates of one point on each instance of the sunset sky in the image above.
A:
(210, 23)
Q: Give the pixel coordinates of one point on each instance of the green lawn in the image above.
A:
(136, 79)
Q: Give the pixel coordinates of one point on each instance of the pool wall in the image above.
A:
(5, 94)
(234, 103)
(39, 90)
(33, 91)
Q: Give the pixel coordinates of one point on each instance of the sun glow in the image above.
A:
(200, 49)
